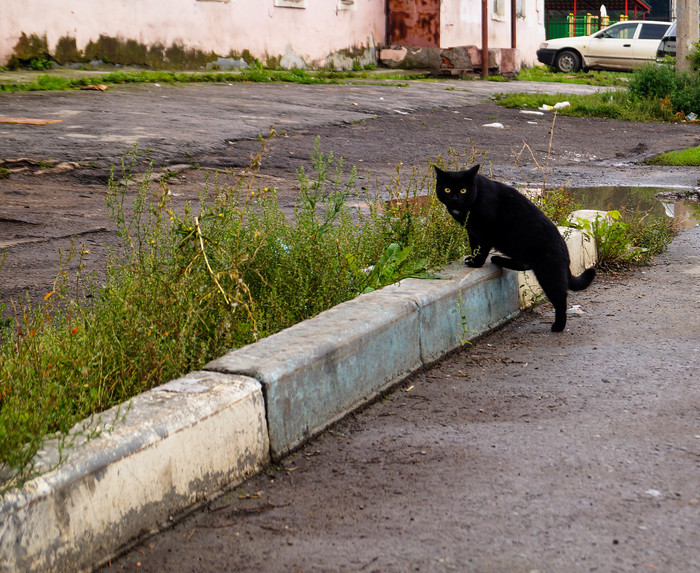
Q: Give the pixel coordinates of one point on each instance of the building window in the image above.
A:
(499, 9)
(290, 3)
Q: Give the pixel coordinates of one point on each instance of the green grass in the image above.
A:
(623, 239)
(255, 73)
(592, 77)
(684, 158)
(653, 93)
(613, 104)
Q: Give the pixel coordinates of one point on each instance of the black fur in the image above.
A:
(497, 216)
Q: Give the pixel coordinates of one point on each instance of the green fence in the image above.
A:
(579, 25)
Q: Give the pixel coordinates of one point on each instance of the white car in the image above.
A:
(622, 46)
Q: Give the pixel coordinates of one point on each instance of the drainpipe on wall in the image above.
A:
(484, 39)
(513, 20)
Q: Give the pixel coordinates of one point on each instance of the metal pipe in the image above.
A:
(484, 38)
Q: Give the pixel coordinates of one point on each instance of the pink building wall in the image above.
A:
(307, 34)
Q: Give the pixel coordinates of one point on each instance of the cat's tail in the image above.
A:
(582, 281)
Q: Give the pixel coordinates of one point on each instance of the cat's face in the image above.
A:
(456, 190)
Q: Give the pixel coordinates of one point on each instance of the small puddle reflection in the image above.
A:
(670, 202)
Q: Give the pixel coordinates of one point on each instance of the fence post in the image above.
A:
(571, 20)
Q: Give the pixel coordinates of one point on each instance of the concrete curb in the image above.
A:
(317, 371)
(158, 454)
(190, 439)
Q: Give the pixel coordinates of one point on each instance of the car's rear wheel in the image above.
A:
(567, 62)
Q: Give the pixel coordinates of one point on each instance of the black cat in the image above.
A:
(497, 216)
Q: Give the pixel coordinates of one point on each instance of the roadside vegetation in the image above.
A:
(183, 288)
(684, 158)
(255, 73)
(652, 93)
(591, 77)
(626, 238)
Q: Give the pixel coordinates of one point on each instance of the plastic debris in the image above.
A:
(496, 125)
(558, 105)
(692, 116)
(531, 112)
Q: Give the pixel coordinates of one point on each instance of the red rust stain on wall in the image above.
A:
(414, 23)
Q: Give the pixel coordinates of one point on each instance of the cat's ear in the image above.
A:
(438, 170)
(474, 170)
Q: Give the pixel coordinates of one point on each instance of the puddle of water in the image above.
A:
(685, 212)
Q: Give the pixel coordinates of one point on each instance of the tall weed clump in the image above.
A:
(673, 95)
(183, 287)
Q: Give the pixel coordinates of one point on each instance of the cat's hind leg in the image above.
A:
(507, 263)
(554, 287)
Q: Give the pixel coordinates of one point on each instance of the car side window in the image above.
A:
(621, 32)
(652, 31)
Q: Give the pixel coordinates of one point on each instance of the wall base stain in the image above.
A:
(126, 52)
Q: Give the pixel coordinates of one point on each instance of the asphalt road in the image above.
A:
(182, 121)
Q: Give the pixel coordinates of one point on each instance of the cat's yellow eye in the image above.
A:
(448, 190)
(462, 191)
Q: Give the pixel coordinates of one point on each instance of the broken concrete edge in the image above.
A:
(458, 60)
(190, 440)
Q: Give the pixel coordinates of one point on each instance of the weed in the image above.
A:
(466, 333)
(183, 288)
(622, 242)
(40, 64)
(654, 93)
